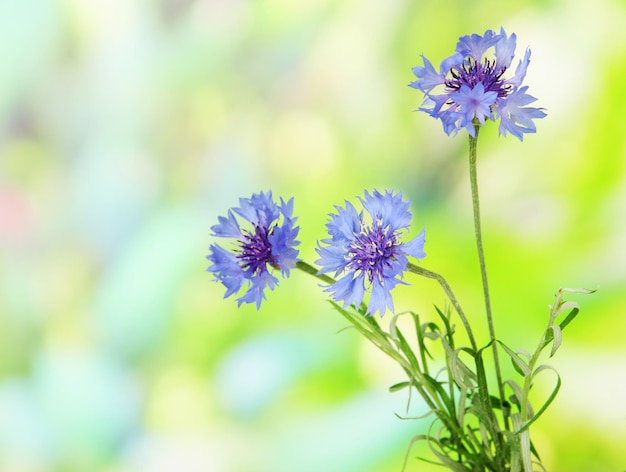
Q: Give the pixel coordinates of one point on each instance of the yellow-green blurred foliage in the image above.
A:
(128, 126)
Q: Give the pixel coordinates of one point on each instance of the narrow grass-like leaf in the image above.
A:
(514, 445)
(399, 386)
(473, 438)
(393, 324)
(524, 442)
(445, 459)
(449, 463)
(586, 291)
(431, 331)
(534, 451)
(462, 375)
(550, 398)
(517, 396)
(479, 411)
(403, 345)
(575, 309)
(557, 335)
(461, 404)
(371, 320)
(559, 307)
(483, 392)
(485, 451)
(519, 364)
(525, 353)
(370, 331)
(412, 418)
(543, 469)
(564, 306)
(414, 439)
(420, 333)
(449, 333)
(441, 392)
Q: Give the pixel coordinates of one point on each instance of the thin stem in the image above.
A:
(483, 266)
(309, 269)
(415, 269)
(416, 377)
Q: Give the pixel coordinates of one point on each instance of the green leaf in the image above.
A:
(449, 334)
(445, 460)
(517, 396)
(413, 418)
(550, 398)
(550, 334)
(421, 333)
(586, 291)
(574, 310)
(402, 343)
(364, 326)
(437, 386)
(399, 386)
(561, 306)
(463, 375)
(514, 444)
(557, 335)
(519, 364)
(524, 439)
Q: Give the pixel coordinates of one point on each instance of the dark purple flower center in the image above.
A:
(256, 251)
(372, 250)
(471, 72)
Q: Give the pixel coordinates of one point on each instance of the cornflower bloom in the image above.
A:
(267, 246)
(470, 87)
(367, 253)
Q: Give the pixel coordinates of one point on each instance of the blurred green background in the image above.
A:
(127, 127)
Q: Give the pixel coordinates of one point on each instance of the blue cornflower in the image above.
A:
(470, 87)
(267, 246)
(366, 254)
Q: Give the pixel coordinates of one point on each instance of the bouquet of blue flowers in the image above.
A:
(475, 426)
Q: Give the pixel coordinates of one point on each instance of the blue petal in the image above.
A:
(475, 103)
(227, 227)
(437, 102)
(390, 209)
(450, 120)
(256, 291)
(259, 209)
(226, 269)
(345, 224)
(505, 49)
(286, 208)
(427, 76)
(396, 269)
(380, 299)
(475, 45)
(348, 289)
(515, 118)
(450, 62)
(283, 240)
(415, 247)
(520, 71)
(332, 257)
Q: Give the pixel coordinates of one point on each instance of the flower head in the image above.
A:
(366, 253)
(267, 245)
(471, 86)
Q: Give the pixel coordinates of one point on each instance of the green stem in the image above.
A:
(483, 267)
(415, 269)
(480, 370)
(425, 389)
(309, 269)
